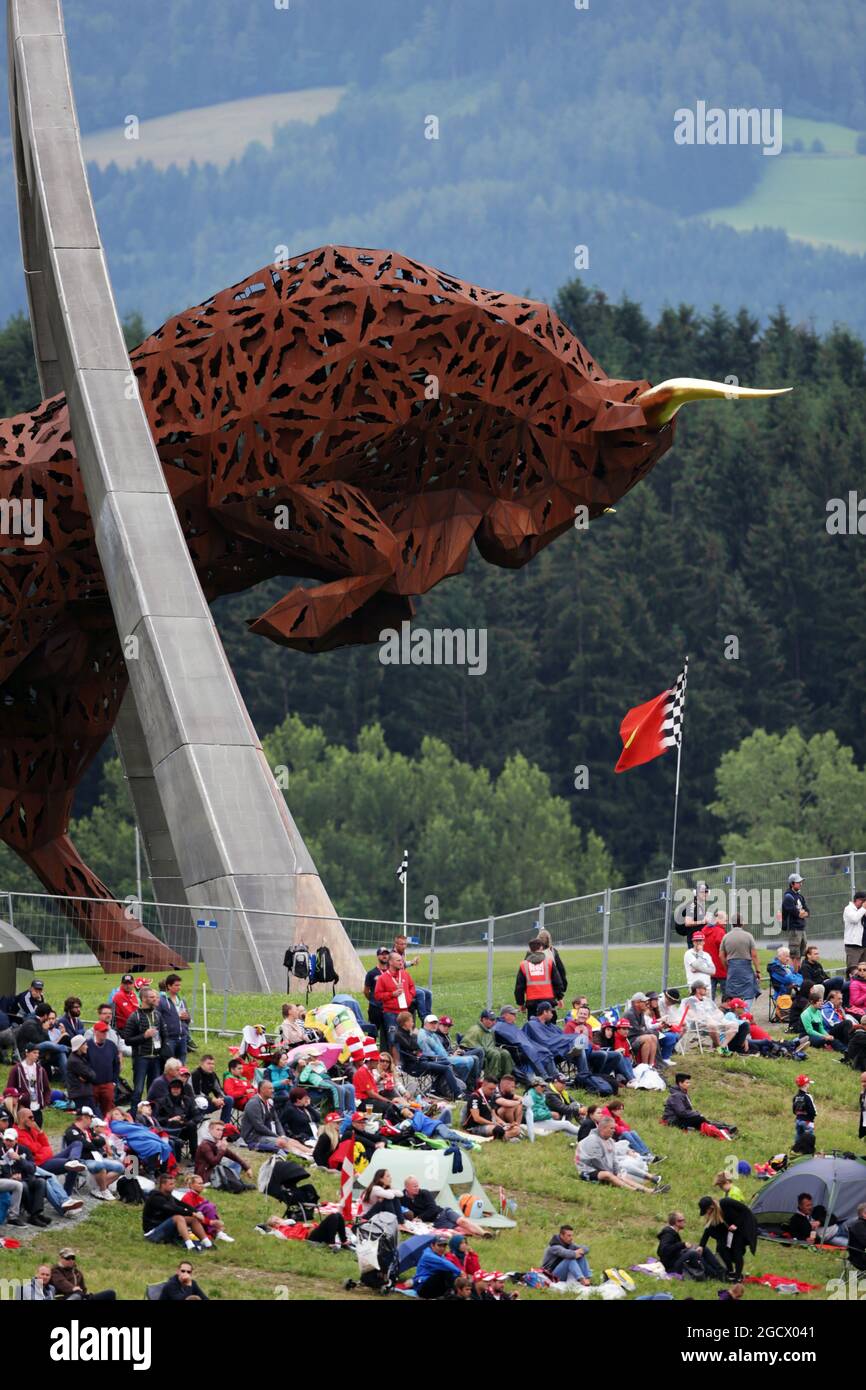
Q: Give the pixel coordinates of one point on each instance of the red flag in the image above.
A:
(348, 1178)
(651, 729)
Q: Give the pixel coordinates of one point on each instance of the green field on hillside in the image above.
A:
(619, 1227)
(819, 198)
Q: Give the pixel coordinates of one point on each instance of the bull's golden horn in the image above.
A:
(661, 403)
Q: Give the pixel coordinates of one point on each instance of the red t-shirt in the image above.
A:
(363, 1083)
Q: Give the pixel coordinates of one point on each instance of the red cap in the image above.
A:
(804, 1080)
(100, 1027)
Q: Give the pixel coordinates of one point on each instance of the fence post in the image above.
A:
(733, 912)
(541, 916)
(227, 970)
(851, 872)
(430, 962)
(605, 946)
(490, 932)
(669, 894)
(11, 914)
(797, 865)
(195, 971)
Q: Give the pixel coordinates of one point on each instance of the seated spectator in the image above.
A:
(430, 1041)
(254, 1046)
(339, 1095)
(181, 1286)
(463, 1256)
(68, 1281)
(642, 1037)
(39, 1289)
(176, 1115)
(564, 1260)
(407, 1053)
(434, 1123)
(213, 1151)
(236, 1086)
(280, 1075)
(479, 1116)
(691, 1261)
(153, 1151)
(565, 1047)
(261, 1127)
(668, 1037)
(301, 1119)
(19, 1178)
(423, 1206)
(538, 1116)
(836, 1021)
(807, 1223)
(784, 978)
(701, 1013)
(498, 1061)
(206, 1083)
(507, 1103)
(561, 1102)
(597, 1161)
(857, 1240)
(86, 1142)
(855, 1003)
(35, 1143)
(460, 1049)
(194, 1198)
(814, 1026)
(616, 1110)
(680, 1112)
(389, 1083)
(435, 1275)
(29, 1001)
(382, 1196)
(166, 1220)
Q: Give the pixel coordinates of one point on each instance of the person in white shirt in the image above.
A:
(103, 1015)
(699, 965)
(852, 918)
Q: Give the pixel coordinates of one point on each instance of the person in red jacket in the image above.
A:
(235, 1084)
(394, 991)
(124, 1002)
(714, 935)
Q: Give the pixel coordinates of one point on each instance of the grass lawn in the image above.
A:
(819, 198)
(619, 1227)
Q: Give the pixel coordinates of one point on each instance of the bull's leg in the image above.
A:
(118, 941)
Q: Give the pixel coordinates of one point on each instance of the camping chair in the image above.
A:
(780, 1005)
(153, 1291)
(690, 1035)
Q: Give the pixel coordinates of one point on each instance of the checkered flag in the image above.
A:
(672, 721)
(403, 868)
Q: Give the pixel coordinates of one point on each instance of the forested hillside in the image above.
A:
(555, 131)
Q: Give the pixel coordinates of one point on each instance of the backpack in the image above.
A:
(300, 963)
(326, 973)
(225, 1179)
(129, 1190)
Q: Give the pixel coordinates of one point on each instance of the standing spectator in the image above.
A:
(739, 953)
(423, 997)
(555, 958)
(80, 1075)
(805, 1114)
(735, 1230)
(68, 1282)
(698, 963)
(795, 915)
(374, 1009)
(145, 1033)
(565, 1261)
(176, 1017)
(538, 980)
(124, 1002)
(182, 1286)
(714, 935)
(394, 992)
(103, 1058)
(852, 919)
(695, 918)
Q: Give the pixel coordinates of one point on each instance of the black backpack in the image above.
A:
(326, 973)
(129, 1190)
(297, 963)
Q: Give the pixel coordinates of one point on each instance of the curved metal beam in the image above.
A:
(205, 783)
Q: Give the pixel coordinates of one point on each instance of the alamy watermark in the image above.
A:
(438, 646)
(23, 519)
(739, 125)
(753, 907)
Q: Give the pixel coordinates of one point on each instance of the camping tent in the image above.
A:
(16, 954)
(834, 1181)
(434, 1169)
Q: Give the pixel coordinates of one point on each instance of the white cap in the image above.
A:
(432, 1018)
(11, 1134)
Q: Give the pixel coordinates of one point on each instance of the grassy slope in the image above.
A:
(619, 1227)
(819, 198)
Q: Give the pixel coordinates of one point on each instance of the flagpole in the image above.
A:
(405, 888)
(670, 884)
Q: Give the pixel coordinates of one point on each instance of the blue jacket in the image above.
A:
(143, 1142)
(537, 1054)
(432, 1045)
(547, 1035)
(785, 980)
(431, 1263)
(174, 1028)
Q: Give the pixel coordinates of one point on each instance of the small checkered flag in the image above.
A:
(651, 729)
(403, 867)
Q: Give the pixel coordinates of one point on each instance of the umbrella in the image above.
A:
(328, 1053)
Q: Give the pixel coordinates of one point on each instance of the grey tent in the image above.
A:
(834, 1181)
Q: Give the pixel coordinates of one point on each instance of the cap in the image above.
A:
(67, 1253)
(653, 994)
(737, 1003)
(184, 1071)
(383, 950)
(85, 1110)
(682, 1076)
(443, 1018)
(795, 878)
(511, 1008)
(804, 1080)
(432, 1018)
(37, 984)
(11, 1134)
(673, 994)
(100, 1027)
(641, 996)
(126, 979)
(698, 936)
(485, 1013)
(559, 1077)
(861, 893)
(332, 1116)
